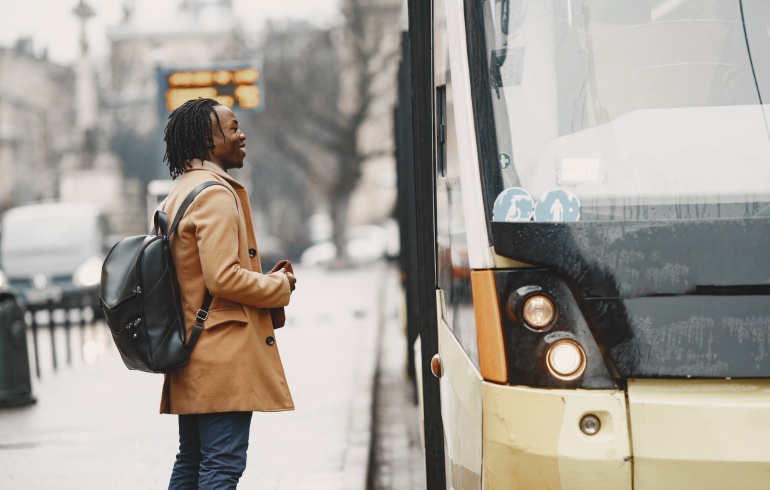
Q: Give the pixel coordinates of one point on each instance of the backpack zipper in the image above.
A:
(134, 324)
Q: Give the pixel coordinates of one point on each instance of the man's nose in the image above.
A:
(243, 135)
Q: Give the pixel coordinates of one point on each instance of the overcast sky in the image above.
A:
(51, 23)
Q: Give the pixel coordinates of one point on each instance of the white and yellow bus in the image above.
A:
(585, 194)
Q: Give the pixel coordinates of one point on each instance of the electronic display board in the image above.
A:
(238, 87)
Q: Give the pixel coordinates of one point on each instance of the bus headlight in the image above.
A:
(89, 273)
(3, 280)
(566, 360)
(539, 311)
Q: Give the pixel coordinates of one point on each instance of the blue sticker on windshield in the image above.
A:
(557, 205)
(513, 204)
(505, 160)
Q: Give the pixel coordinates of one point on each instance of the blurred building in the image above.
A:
(142, 43)
(89, 171)
(51, 142)
(199, 32)
(37, 113)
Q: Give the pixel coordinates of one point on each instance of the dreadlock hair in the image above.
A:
(189, 134)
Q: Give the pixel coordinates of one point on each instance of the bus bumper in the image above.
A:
(687, 434)
(532, 439)
(700, 434)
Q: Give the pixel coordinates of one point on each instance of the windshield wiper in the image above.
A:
(753, 72)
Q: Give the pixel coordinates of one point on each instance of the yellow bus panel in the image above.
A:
(700, 434)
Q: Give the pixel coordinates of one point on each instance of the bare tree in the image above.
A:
(299, 73)
(328, 89)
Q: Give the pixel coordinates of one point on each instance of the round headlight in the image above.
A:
(89, 273)
(566, 360)
(538, 311)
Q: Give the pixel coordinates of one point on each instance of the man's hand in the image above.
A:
(292, 279)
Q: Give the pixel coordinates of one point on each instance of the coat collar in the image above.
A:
(197, 164)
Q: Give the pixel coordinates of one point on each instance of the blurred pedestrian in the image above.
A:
(235, 368)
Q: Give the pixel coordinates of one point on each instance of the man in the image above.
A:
(235, 368)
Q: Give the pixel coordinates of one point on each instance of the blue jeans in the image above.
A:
(212, 451)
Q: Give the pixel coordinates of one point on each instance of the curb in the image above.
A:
(356, 465)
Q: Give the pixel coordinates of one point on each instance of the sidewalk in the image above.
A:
(96, 426)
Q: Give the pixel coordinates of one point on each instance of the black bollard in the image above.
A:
(82, 332)
(34, 342)
(52, 325)
(67, 312)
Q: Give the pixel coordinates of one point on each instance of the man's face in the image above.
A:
(229, 149)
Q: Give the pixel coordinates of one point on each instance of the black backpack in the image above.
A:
(139, 293)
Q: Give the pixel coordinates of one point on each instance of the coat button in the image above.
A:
(270, 341)
(252, 253)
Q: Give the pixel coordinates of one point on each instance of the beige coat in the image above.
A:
(235, 366)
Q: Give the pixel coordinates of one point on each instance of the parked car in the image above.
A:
(365, 244)
(52, 253)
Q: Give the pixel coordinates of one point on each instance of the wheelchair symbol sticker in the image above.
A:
(557, 205)
(513, 204)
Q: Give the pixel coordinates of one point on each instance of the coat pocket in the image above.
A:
(219, 303)
(225, 316)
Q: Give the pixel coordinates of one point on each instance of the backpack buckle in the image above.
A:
(202, 315)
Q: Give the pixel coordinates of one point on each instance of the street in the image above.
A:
(96, 424)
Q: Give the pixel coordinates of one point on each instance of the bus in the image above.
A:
(585, 208)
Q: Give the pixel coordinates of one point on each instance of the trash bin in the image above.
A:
(15, 382)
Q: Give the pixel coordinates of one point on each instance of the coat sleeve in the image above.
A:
(216, 219)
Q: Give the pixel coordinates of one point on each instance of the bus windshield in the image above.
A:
(641, 109)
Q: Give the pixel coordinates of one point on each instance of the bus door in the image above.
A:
(458, 350)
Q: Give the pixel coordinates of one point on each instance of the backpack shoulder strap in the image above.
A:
(200, 317)
(160, 223)
(203, 312)
(187, 201)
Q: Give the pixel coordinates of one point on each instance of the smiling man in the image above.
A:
(235, 368)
